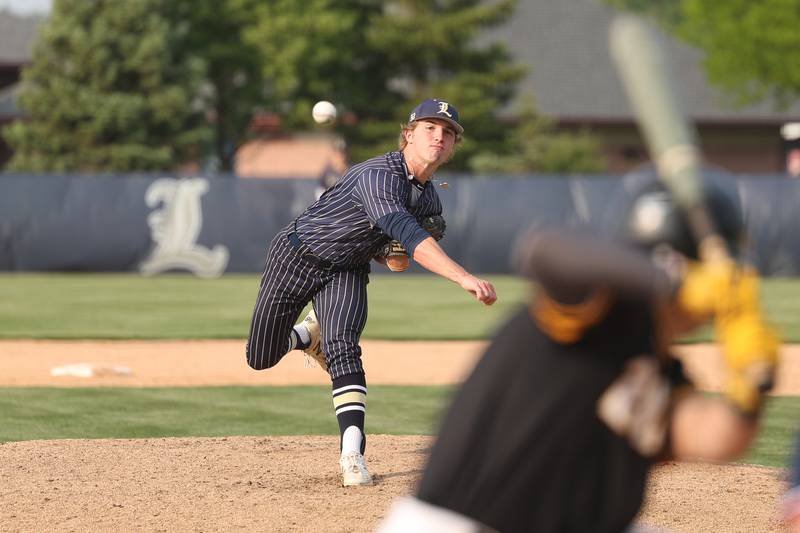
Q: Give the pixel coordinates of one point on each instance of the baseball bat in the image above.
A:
(671, 139)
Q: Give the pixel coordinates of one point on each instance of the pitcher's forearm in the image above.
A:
(430, 256)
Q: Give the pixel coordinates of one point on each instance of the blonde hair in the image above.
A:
(402, 142)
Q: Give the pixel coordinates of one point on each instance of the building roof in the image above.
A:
(16, 37)
(564, 43)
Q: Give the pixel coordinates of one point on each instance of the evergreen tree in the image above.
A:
(106, 91)
(318, 50)
(148, 85)
(432, 48)
(233, 86)
(535, 145)
(376, 59)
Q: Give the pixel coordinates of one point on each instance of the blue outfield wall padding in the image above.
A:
(210, 226)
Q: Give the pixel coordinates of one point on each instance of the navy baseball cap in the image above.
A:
(435, 108)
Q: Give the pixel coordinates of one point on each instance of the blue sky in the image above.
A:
(26, 7)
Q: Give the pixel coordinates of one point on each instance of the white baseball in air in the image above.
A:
(324, 112)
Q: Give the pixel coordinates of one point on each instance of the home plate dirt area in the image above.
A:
(292, 483)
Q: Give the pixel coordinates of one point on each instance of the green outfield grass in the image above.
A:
(121, 306)
(124, 306)
(97, 413)
(401, 306)
(775, 441)
(28, 413)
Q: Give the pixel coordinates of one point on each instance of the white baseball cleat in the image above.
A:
(314, 350)
(354, 471)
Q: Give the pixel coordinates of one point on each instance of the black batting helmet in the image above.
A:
(652, 218)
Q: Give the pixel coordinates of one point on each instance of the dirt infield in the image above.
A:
(291, 483)
(197, 363)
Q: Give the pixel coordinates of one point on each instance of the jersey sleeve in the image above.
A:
(403, 227)
(380, 193)
(582, 279)
(571, 265)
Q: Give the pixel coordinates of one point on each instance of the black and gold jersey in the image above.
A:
(523, 446)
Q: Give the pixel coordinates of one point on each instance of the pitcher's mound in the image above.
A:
(292, 484)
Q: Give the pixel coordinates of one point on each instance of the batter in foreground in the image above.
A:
(323, 256)
(578, 395)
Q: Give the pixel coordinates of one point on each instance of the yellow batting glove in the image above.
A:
(750, 347)
(730, 293)
(703, 285)
(719, 288)
(740, 296)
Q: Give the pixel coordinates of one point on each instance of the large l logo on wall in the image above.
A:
(175, 228)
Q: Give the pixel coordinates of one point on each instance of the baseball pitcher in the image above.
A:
(386, 209)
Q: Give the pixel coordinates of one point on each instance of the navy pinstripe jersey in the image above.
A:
(341, 225)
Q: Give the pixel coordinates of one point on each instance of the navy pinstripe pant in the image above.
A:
(287, 285)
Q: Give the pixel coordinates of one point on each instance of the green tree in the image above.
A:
(375, 59)
(233, 85)
(432, 48)
(751, 49)
(537, 146)
(147, 84)
(318, 50)
(106, 91)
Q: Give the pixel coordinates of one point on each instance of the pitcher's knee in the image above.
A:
(261, 359)
(259, 364)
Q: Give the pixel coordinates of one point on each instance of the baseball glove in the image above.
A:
(395, 255)
(435, 225)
